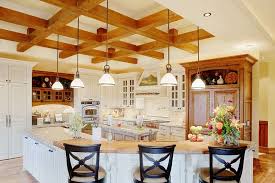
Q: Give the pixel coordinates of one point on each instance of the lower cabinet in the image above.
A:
(171, 131)
(43, 162)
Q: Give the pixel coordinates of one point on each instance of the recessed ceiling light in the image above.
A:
(208, 14)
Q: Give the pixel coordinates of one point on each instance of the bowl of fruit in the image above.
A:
(195, 135)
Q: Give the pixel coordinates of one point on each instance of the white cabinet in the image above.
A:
(15, 105)
(46, 164)
(176, 94)
(91, 89)
(4, 72)
(175, 131)
(4, 128)
(127, 92)
(15, 73)
(109, 96)
(18, 117)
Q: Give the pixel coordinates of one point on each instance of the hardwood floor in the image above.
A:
(264, 169)
(11, 171)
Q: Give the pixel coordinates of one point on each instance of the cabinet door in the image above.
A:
(4, 72)
(18, 115)
(95, 90)
(4, 132)
(227, 97)
(18, 73)
(200, 106)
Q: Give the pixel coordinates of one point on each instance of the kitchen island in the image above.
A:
(44, 157)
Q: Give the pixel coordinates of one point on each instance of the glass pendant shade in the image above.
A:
(106, 79)
(57, 85)
(198, 83)
(168, 79)
(77, 83)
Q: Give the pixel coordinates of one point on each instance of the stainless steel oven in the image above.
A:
(90, 111)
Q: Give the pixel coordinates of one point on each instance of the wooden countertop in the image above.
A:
(57, 136)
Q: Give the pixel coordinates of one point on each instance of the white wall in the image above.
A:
(264, 99)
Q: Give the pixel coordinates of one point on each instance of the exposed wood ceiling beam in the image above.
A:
(40, 29)
(59, 20)
(100, 55)
(125, 22)
(136, 26)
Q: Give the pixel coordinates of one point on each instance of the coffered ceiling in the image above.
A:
(137, 36)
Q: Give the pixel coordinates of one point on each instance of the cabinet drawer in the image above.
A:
(164, 128)
(177, 131)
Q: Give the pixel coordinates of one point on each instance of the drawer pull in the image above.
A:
(36, 143)
(50, 150)
(26, 138)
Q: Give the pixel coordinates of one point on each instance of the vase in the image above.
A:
(226, 141)
(220, 81)
(76, 134)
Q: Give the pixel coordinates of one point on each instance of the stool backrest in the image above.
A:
(237, 153)
(145, 151)
(93, 150)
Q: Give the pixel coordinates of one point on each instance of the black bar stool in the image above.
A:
(156, 173)
(226, 174)
(82, 172)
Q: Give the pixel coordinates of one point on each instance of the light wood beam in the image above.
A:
(192, 36)
(59, 20)
(141, 26)
(19, 18)
(157, 19)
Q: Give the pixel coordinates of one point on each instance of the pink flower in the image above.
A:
(219, 125)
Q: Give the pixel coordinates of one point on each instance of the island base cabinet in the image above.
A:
(48, 164)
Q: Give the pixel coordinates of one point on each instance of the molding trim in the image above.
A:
(267, 150)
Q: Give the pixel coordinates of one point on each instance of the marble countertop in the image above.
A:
(144, 120)
(57, 136)
(129, 129)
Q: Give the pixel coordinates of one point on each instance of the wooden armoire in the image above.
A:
(235, 88)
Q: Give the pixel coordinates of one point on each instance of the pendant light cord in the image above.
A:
(168, 66)
(198, 33)
(168, 26)
(57, 56)
(107, 28)
(77, 48)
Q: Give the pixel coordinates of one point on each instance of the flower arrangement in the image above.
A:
(76, 125)
(224, 126)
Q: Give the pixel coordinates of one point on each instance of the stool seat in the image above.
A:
(204, 175)
(155, 171)
(83, 170)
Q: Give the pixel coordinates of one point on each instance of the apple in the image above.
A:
(189, 136)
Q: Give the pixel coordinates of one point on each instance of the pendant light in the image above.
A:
(168, 79)
(77, 83)
(198, 83)
(57, 84)
(106, 79)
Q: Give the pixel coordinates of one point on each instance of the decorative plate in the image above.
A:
(231, 78)
(47, 79)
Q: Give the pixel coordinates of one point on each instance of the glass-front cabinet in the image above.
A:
(176, 94)
(127, 90)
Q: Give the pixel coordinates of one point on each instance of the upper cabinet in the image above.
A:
(13, 73)
(127, 91)
(228, 81)
(43, 94)
(176, 94)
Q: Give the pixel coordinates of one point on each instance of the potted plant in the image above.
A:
(223, 125)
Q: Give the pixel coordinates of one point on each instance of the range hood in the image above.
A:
(148, 84)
